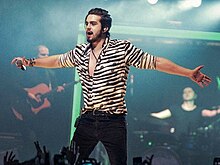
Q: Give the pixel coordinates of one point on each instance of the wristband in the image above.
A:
(32, 62)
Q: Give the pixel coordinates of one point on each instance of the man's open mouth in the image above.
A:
(89, 33)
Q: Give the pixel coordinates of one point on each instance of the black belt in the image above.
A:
(100, 115)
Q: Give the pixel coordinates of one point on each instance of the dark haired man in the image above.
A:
(187, 122)
(103, 67)
(187, 116)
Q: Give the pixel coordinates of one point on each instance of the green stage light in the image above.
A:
(218, 82)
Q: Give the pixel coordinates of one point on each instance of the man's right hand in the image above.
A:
(20, 62)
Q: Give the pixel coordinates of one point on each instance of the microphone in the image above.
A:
(19, 64)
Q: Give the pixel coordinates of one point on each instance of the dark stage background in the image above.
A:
(25, 24)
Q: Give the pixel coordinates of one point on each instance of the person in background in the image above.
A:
(35, 104)
(189, 125)
(188, 116)
(103, 66)
(40, 87)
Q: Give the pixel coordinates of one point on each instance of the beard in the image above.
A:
(95, 38)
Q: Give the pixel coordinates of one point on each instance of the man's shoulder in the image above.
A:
(82, 46)
(175, 108)
(119, 41)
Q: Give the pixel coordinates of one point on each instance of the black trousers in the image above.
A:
(111, 130)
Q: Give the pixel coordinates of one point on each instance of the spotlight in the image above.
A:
(152, 2)
(189, 4)
(196, 3)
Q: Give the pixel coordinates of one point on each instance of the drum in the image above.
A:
(162, 156)
(155, 138)
(195, 149)
(189, 143)
(196, 144)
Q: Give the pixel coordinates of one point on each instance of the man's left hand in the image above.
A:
(200, 78)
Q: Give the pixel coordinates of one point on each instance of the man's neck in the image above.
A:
(188, 105)
(97, 45)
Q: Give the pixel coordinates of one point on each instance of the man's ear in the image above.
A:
(105, 29)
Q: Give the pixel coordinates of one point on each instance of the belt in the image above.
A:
(99, 115)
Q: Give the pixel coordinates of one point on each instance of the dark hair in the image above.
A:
(106, 20)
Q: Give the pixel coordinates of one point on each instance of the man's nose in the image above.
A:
(88, 26)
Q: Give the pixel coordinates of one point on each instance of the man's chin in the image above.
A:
(89, 40)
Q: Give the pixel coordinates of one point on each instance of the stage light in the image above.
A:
(172, 130)
(152, 2)
(196, 3)
(150, 143)
(184, 5)
(218, 82)
(188, 4)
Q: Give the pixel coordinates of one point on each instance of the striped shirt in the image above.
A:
(105, 90)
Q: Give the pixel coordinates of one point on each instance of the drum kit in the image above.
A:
(159, 139)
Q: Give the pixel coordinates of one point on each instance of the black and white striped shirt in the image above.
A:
(105, 90)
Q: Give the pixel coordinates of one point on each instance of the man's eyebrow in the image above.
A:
(91, 21)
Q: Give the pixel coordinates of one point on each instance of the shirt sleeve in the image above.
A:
(67, 59)
(139, 59)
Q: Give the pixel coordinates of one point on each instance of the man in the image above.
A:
(187, 116)
(39, 87)
(187, 122)
(35, 104)
(103, 66)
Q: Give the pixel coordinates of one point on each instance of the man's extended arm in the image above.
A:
(46, 62)
(195, 75)
(162, 114)
(210, 113)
